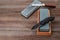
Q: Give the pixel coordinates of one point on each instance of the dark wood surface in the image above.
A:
(13, 26)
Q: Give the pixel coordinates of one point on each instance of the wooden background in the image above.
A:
(13, 26)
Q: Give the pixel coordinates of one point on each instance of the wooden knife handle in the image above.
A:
(50, 5)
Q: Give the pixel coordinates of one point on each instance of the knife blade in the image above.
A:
(43, 22)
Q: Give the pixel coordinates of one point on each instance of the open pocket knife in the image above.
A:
(43, 22)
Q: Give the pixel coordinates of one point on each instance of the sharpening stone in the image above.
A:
(44, 14)
(30, 9)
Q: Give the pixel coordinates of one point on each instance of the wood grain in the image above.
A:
(14, 26)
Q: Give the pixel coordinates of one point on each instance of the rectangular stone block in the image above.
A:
(44, 14)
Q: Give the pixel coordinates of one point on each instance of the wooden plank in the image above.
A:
(15, 16)
(18, 2)
(58, 6)
(57, 13)
(23, 33)
(14, 2)
(16, 33)
(55, 36)
(12, 8)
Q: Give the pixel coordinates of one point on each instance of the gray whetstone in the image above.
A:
(30, 9)
(43, 15)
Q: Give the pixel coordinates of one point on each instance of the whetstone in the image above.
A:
(30, 9)
(44, 14)
(43, 31)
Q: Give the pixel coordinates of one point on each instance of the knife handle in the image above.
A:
(50, 5)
